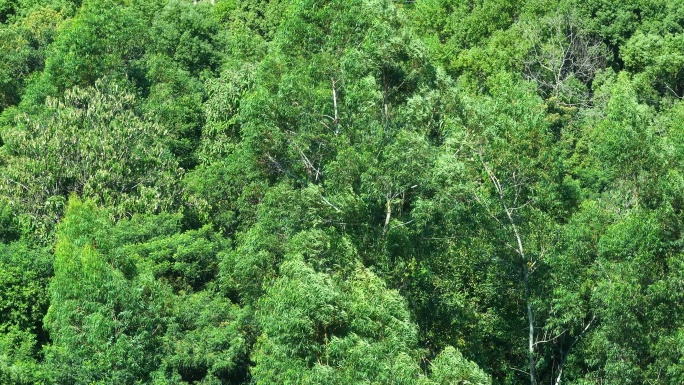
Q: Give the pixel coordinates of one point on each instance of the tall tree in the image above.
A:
(105, 310)
(91, 142)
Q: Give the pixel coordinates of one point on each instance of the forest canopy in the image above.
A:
(423, 192)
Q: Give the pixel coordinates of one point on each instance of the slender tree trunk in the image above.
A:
(530, 322)
(527, 271)
(560, 373)
(636, 189)
(567, 352)
(336, 118)
(388, 216)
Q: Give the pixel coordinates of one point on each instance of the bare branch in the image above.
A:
(567, 351)
(330, 204)
(561, 52)
(336, 119)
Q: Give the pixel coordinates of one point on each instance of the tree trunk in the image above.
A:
(388, 216)
(527, 271)
(530, 323)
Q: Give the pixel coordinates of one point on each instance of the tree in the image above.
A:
(327, 329)
(93, 143)
(624, 142)
(24, 45)
(563, 58)
(24, 276)
(105, 310)
(488, 226)
(204, 342)
(654, 61)
(102, 40)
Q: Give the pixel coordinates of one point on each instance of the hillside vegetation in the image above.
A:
(341, 192)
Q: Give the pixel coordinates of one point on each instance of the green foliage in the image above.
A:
(188, 34)
(24, 275)
(258, 19)
(103, 323)
(91, 142)
(24, 280)
(329, 329)
(225, 193)
(656, 60)
(341, 192)
(450, 367)
(203, 343)
(175, 103)
(113, 36)
(186, 261)
(22, 50)
(115, 321)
